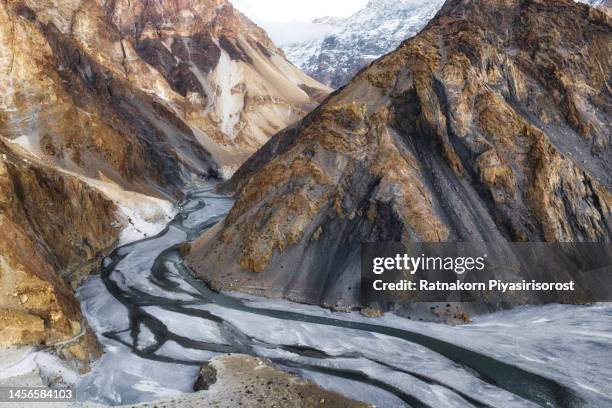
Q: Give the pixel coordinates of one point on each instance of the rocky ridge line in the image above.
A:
(492, 124)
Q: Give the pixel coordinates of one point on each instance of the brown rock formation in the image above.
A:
(116, 83)
(54, 228)
(129, 96)
(240, 380)
(492, 124)
(227, 80)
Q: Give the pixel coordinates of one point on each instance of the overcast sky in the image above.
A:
(288, 21)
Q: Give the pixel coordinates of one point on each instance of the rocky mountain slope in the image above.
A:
(54, 227)
(356, 41)
(227, 81)
(492, 124)
(107, 109)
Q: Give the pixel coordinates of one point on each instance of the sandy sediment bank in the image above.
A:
(228, 381)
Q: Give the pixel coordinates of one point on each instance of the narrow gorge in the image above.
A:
(183, 209)
(107, 111)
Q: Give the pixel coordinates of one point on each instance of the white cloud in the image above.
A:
(296, 31)
(285, 11)
(288, 21)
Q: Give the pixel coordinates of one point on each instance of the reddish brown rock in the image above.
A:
(492, 124)
(109, 99)
(55, 228)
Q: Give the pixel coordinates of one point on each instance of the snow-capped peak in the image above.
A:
(357, 40)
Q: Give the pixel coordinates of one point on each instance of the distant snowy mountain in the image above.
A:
(357, 40)
(597, 3)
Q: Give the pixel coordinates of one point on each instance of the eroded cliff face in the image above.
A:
(54, 229)
(193, 83)
(61, 103)
(65, 123)
(226, 79)
(109, 105)
(492, 124)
